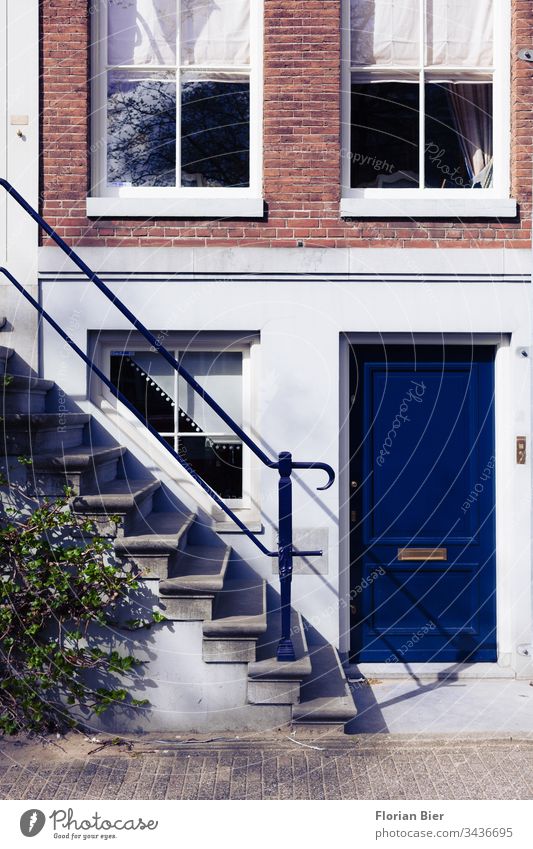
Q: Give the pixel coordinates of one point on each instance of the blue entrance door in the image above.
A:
(422, 504)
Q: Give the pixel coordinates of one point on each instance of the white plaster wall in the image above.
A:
(185, 694)
(19, 163)
(300, 321)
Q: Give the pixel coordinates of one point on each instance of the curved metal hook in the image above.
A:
(324, 466)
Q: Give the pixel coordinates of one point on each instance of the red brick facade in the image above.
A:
(301, 144)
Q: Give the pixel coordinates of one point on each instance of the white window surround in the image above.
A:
(174, 342)
(493, 202)
(148, 202)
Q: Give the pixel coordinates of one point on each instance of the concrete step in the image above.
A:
(33, 433)
(239, 618)
(200, 568)
(24, 393)
(84, 468)
(325, 696)
(155, 542)
(198, 575)
(271, 681)
(240, 610)
(127, 499)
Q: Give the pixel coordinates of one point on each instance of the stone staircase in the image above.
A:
(211, 665)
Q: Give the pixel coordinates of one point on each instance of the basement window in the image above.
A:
(180, 416)
(175, 100)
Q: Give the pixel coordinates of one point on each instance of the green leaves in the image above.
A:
(59, 587)
(158, 617)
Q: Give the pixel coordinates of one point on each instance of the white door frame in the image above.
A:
(513, 571)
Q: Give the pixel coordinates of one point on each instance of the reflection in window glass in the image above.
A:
(385, 143)
(215, 33)
(215, 133)
(141, 32)
(157, 60)
(141, 129)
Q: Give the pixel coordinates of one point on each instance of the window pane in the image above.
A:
(445, 162)
(141, 32)
(218, 462)
(384, 135)
(385, 32)
(220, 374)
(215, 33)
(460, 33)
(141, 129)
(147, 381)
(458, 135)
(215, 132)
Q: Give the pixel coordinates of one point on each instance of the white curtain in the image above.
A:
(215, 32)
(212, 32)
(387, 32)
(220, 374)
(460, 32)
(472, 112)
(142, 32)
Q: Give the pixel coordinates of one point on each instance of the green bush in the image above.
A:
(57, 582)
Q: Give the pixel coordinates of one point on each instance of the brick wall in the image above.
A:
(301, 144)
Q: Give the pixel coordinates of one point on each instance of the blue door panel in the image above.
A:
(445, 599)
(425, 459)
(423, 470)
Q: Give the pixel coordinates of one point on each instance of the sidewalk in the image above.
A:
(304, 765)
(451, 705)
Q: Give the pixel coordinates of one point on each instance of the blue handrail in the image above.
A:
(122, 398)
(284, 464)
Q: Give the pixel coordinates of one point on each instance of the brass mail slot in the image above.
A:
(422, 554)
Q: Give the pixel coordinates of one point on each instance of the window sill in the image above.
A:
(201, 207)
(254, 525)
(428, 207)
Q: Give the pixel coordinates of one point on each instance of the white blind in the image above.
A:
(387, 32)
(221, 376)
(460, 32)
(142, 32)
(215, 32)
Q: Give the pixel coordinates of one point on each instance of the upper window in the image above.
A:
(174, 97)
(424, 95)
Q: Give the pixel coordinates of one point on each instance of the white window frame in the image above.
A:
(433, 203)
(175, 342)
(148, 202)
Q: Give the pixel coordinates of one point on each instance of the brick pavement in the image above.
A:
(366, 767)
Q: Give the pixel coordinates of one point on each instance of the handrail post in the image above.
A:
(285, 553)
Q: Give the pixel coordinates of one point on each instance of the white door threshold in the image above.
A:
(427, 671)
